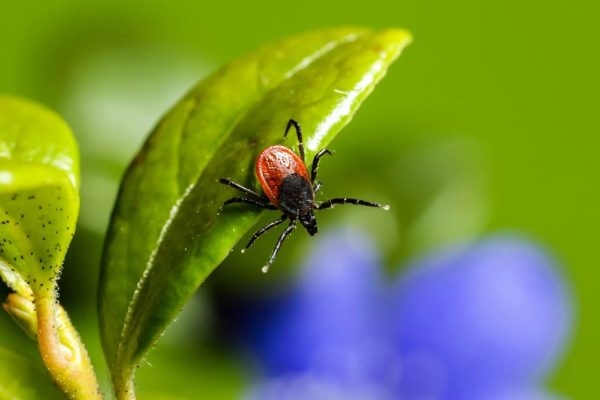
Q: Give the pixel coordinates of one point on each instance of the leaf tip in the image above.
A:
(399, 35)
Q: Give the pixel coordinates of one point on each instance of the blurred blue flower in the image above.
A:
(485, 321)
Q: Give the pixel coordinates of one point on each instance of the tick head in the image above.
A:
(309, 222)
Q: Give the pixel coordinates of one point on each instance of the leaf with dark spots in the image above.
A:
(39, 178)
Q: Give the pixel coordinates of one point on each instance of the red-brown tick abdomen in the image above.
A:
(275, 163)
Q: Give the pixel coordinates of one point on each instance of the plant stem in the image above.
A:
(125, 388)
(63, 352)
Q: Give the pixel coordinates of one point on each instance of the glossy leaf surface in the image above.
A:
(167, 233)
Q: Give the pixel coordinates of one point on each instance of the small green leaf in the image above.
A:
(22, 378)
(167, 234)
(39, 204)
(39, 201)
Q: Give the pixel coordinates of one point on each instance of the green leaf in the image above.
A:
(39, 201)
(166, 234)
(23, 378)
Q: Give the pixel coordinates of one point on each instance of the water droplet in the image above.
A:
(386, 207)
(265, 269)
(242, 251)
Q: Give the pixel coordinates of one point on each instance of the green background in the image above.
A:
(504, 95)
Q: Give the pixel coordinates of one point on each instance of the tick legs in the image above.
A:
(295, 124)
(332, 202)
(239, 187)
(315, 164)
(283, 236)
(317, 186)
(254, 202)
(264, 229)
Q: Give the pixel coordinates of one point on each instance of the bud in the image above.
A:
(22, 311)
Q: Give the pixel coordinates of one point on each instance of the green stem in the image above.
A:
(125, 387)
(63, 352)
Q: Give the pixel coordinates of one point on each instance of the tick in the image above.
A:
(289, 188)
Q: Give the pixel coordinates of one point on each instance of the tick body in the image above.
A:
(276, 168)
(289, 188)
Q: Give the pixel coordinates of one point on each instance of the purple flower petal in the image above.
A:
(494, 314)
(524, 393)
(334, 323)
(481, 322)
(313, 387)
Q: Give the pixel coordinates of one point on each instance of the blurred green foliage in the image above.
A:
(26, 378)
(489, 122)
